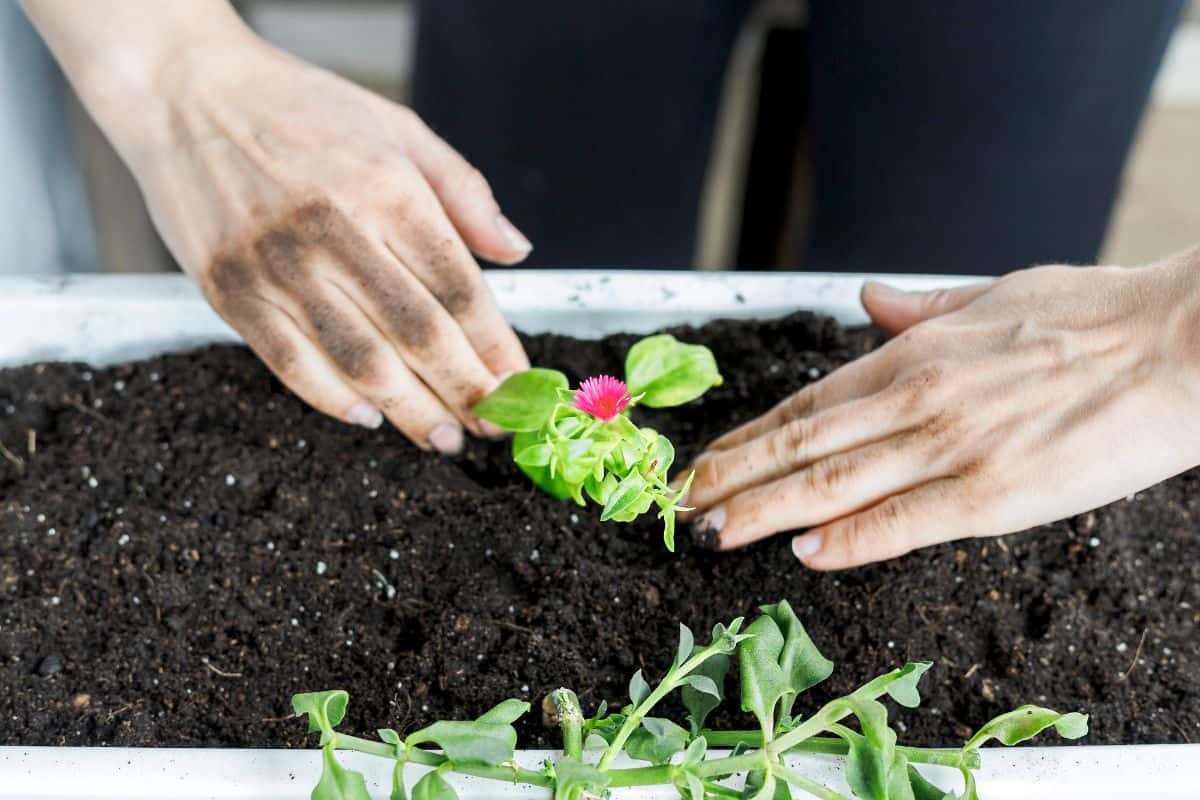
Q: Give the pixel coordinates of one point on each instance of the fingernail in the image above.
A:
(366, 415)
(515, 238)
(503, 376)
(806, 546)
(711, 521)
(705, 529)
(447, 438)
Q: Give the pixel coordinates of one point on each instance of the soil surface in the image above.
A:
(184, 544)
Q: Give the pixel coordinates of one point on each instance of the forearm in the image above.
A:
(119, 64)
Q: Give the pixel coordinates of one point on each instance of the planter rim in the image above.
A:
(1096, 772)
(105, 319)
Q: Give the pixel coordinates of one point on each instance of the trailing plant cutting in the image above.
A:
(577, 442)
(777, 663)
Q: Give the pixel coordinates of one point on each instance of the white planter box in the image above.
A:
(108, 319)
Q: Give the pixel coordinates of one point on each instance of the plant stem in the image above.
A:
(832, 745)
(831, 712)
(721, 767)
(570, 721)
(415, 755)
(807, 784)
(635, 717)
(721, 791)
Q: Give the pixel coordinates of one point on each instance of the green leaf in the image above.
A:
(667, 515)
(904, 689)
(922, 789)
(658, 457)
(573, 778)
(762, 786)
(433, 786)
(867, 765)
(337, 782)
(630, 496)
(697, 697)
(667, 372)
(687, 643)
(552, 485)
(536, 455)
(695, 752)
(763, 680)
(595, 741)
(601, 489)
(505, 713)
(488, 740)
(391, 737)
(524, 402)
(639, 690)
(801, 661)
(899, 783)
(656, 741)
(1026, 722)
(325, 710)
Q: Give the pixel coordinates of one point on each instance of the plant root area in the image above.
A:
(184, 544)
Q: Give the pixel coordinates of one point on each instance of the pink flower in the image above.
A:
(603, 397)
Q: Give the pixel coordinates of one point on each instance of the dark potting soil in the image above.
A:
(183, 545)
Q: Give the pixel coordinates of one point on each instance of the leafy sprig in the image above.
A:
(777, 661)
(581, 442)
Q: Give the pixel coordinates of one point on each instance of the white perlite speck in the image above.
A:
(321, 567)
(230, 480)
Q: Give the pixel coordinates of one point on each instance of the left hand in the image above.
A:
(998, 406)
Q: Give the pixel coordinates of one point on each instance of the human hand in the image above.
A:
(331, 228)
(998, 406)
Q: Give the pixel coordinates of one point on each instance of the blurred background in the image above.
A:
(78, 209)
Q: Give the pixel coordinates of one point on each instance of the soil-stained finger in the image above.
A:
(371, 364)
(826, 490)
(276, 339)
(420, 329)
(796, 444)
(860, 378)
(430, 247)
(924, 515)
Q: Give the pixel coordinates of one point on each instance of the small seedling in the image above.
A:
(777, 663)
(577, 442)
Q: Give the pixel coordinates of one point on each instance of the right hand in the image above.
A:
(334, 231)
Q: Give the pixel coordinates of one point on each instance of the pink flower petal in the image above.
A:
(603, 397)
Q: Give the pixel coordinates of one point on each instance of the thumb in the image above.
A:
(896, 310)
(467, 198)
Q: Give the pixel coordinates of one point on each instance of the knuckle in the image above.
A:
(825, 479)
(928, 385)
(317, 219)
(790, 444)
(798, 406)
(227, 278)
(469, 180)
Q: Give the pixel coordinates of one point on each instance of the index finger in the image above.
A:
(428, 244)
(862, 377)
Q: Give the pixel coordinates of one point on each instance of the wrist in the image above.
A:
(125, 70)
